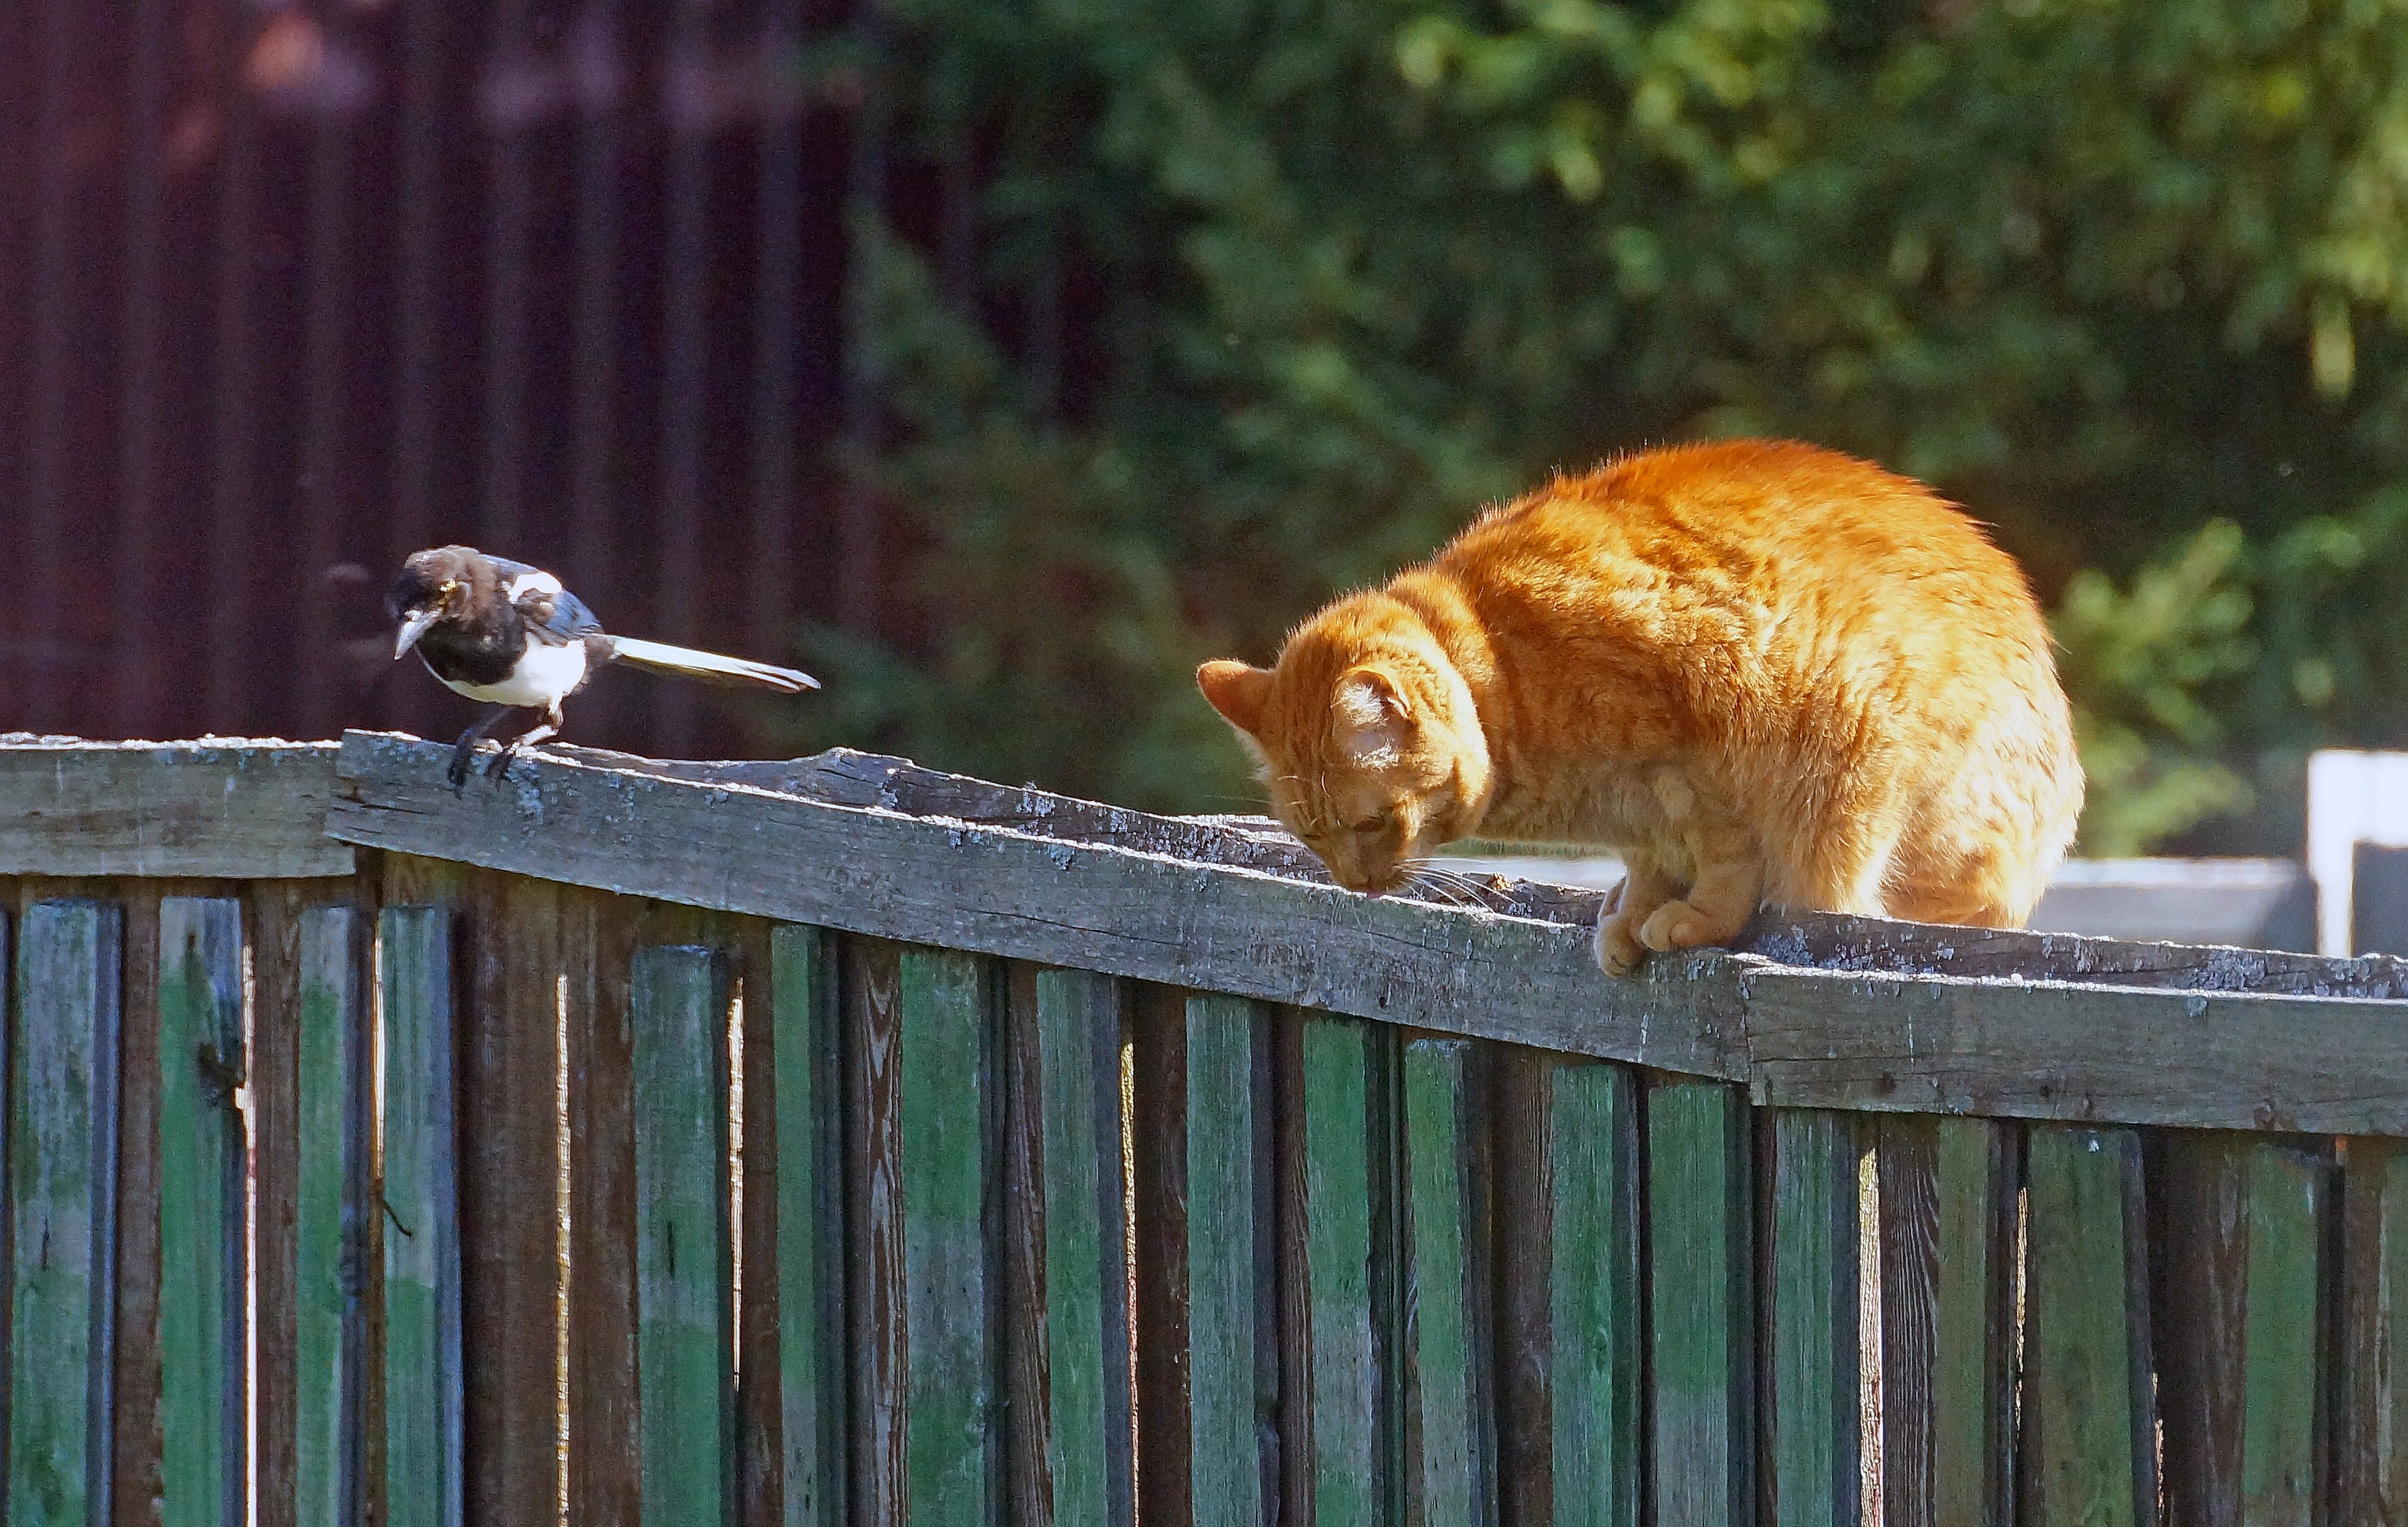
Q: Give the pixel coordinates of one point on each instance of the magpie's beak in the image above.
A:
(411, 630)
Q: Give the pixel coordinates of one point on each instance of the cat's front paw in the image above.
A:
(1618, 949)
(1677, 925)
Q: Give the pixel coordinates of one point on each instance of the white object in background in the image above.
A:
(2353, 798)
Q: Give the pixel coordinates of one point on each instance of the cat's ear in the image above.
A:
(1375, 716)
(1238, 690)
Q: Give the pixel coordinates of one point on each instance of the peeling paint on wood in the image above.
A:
(424, 1481)
(62, 1183)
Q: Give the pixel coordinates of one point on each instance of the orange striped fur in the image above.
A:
(1758, 671)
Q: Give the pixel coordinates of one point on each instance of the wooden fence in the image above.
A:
(834, 1142)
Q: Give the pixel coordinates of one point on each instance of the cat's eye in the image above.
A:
(1369, 825)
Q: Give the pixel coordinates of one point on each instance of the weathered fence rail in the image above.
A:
(839, 1142)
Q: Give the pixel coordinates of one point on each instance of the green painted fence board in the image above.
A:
(685, 1318)
(424, 1482)
(1226, 1398)
(330, 1226)
(2282, 1376)
(1086, 1270)
(811, 1227)
(949, 1394)
(1810, 1412)
(1945, 1358)
(2090, 1432)
(62, 1179)
(201, 1213)
(1341, 1371)
(1451, 1449)
(1594, 1306)
(1700, 1211)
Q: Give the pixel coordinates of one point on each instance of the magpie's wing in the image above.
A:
(552, 615)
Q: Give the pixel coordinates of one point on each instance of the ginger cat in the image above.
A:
(1761, 671)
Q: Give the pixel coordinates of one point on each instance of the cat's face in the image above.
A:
(1372, 763)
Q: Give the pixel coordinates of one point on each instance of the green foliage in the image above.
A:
(2128, 278)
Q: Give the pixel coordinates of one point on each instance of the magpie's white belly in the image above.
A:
(545, 676)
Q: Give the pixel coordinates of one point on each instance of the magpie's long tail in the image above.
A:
(710, 667)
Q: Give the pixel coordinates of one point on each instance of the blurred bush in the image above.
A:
(2128, 279)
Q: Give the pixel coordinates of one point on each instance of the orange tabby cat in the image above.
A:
(1759, 670)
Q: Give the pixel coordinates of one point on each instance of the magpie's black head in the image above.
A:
(435, 584)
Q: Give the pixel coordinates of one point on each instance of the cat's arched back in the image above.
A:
(1759, 670)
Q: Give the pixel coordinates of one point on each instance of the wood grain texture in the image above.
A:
(1336, 1470)
(230, 810)
(684, 1277)
(423, 1409)
(944, 1094)
(2371, 1420)
(1594, 1312)
(878, 1351)
(807, 1192)
(201, 1237)
(1230, 1364)
(1520, 1102)
(1450, 1388)
(1946, 1321)
(1808, 1415)
(1076, 1327)
(335, 1121)
(598, 943)
(2088, 1453)
(509, 1165)
(134, 1391)
(2237, 1306)
(62, 1089)
(1701, 1301)
(1798, 1037)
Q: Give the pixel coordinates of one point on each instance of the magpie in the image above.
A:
(508, 634)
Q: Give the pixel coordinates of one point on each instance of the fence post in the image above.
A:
(1701, 1267)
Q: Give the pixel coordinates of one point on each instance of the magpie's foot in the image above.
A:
(498, 767)
(457, 775)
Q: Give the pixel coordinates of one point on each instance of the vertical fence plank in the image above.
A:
(874, 1242)
(1569, 1312)
(2237, 1328)
(1592, 1152)
(1078, 1318)
(63, 1178)
(1208, 1369)
(508, 1176)
(202, 1385)
(1700, 1213)
(2088, 1447)
(598, 939)
(943, 1097)
(1336, 1471)
(330, 1232)
(1946, 1366)
(684, 1321)
(811, 1227)
(1232, 1392)
(1810, 1402)
(1450, 1441)
(422, 1484)
(2371, 1426)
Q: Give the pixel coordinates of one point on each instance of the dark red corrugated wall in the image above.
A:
(288, 290)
